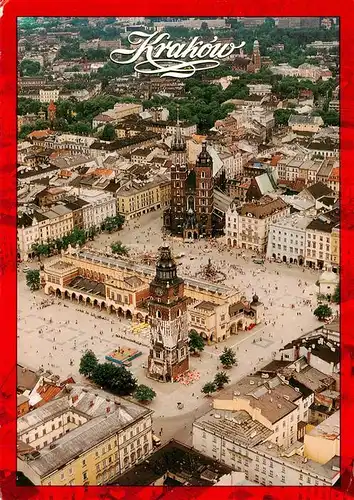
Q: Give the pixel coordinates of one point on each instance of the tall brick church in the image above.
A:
(169, 341)
(192, 201)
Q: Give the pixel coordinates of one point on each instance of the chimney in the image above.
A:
(91, 404)
(108, 409)
(308, 357)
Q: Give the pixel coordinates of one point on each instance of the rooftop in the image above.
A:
(185, 464)
(236, 426)
(99, 426)
(329, 428)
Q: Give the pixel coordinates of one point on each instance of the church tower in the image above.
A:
(204, 193)
(51, 110)
(179, 172)
(256, 56)
(169, 349)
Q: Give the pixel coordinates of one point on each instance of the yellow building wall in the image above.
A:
(319, 449)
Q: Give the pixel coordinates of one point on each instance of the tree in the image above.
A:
(123, 382)
(40, 249)
(196, 343)
(119, 248)
(221, 379)
(113, 223)
(29, 67)
(88, 363)
(208, 388)
(33, 279)
(103, 374)
(323, 312)
(336, 295)
(228, 357)
(281, 116)
(144, 393)
(108, 133)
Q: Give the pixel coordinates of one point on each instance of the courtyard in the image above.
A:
(54, 333)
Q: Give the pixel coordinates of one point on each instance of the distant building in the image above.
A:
(48, 95)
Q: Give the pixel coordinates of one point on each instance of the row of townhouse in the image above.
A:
(41, 225)
(311, 170)
(303, 240)
(247, 226)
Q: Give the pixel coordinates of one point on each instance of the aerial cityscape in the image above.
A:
(178, 242)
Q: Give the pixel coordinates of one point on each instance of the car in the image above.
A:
(258, 261)
(156, 441)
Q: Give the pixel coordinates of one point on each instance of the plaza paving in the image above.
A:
(56, 335)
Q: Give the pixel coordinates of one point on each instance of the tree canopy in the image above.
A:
(33, 280)
(323, 311)
(228, 357)
(144, 393)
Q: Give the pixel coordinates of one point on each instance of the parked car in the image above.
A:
(258, 261)
(156, 441)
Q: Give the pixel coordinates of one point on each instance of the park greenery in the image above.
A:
(228, 357)
(76, 237)
(108, 133)
(29, 67)
(114, 378)
(33, 279)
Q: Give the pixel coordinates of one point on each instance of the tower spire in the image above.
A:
(178, 142)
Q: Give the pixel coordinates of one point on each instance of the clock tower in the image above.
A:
(169, 349)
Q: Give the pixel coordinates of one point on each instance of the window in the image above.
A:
(283, 479)
(36, 435)
(62, 476)
(84, 476)
(53, 427)
(44, 432)
(97, 454)
(109, 447)
(70, 470)
(84, 463)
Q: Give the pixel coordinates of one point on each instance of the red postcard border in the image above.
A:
(12, 9)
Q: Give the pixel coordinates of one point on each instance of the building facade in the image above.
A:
(247, 226)
(168, 317)
(287, 239)
(192, 192)
(83, 438)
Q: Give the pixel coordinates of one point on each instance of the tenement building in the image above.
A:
(168, 317)
(85, 437)
(247, 226)
(257, 433)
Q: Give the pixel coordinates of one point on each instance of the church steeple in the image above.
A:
(178, 142)
(204, 159)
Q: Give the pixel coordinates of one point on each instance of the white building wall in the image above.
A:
(258, 466)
